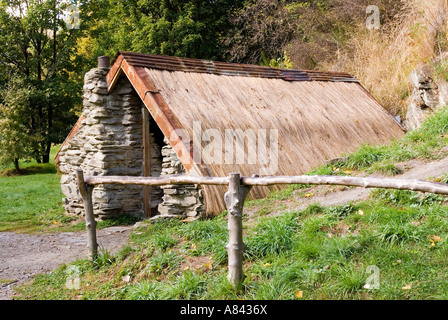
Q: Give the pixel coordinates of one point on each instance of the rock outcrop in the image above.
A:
(429, 93)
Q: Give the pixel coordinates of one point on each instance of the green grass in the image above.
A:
(33, 200)
(424, 142)
(321, 252)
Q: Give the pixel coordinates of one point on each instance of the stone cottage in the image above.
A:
(149, 115)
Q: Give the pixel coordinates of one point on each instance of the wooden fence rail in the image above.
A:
(234, 198)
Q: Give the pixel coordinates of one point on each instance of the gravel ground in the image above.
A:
(24, 255)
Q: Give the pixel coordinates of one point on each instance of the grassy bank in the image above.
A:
(316, 253)
(391, 246)
(32, 200)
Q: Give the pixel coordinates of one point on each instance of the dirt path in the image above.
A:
(24, 255)
(414, 169)
(332, 195)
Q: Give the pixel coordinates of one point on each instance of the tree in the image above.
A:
(311, 31)
(192, 28)
(37, 46)
(16, 142)
(260, 31)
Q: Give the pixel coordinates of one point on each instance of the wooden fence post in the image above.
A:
(234, 199)
(146, 161)
(86, 193)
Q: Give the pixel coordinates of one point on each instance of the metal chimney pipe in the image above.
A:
(103, 62)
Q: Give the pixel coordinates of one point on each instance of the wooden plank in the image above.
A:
(114, 73)
(365, 182)
(156, 181)
(146, 160)
(234, 199)
(70, 136)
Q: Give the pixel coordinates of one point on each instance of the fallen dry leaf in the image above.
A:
(435, 238)
(407, 287)
(308, 195)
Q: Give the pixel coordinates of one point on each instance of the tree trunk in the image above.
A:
(46, 154)
(16, 165)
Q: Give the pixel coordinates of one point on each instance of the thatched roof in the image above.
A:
(318, 115)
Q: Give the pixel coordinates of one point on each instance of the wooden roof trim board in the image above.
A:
(70, 135)
(114, 73)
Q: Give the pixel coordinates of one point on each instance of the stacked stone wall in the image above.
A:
(186, 200)
(109, 142)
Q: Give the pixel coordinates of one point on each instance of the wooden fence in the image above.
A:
(238, 188)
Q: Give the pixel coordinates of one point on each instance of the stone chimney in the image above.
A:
(109, 142)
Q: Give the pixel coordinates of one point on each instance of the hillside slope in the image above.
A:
(302, 242)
